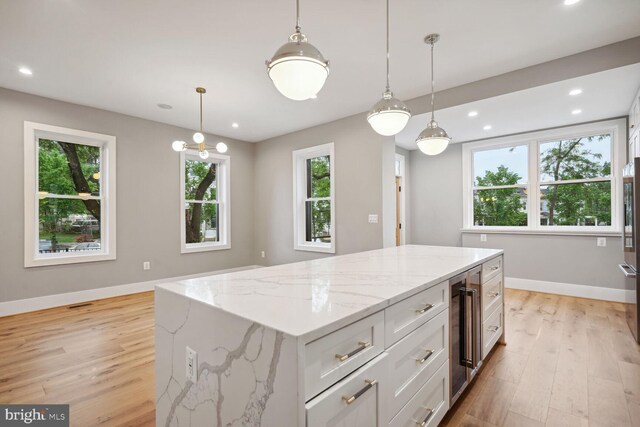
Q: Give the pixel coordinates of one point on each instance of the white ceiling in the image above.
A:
(128, 56)
(604, 95)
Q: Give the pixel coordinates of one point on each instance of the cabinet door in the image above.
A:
(356, 401)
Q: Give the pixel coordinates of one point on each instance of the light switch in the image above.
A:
(601, 241)
(483, 237)
(373, 218)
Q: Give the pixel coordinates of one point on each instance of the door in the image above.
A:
(398, 211)
(457, 335)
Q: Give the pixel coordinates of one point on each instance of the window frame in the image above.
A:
(33, 132)
(223, 200)
(300, 158)
(614, 127)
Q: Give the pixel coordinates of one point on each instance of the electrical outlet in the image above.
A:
(192, 365)
(483, 237)
(262, 254)
(373, 218)
(601, 241)
(146, 265)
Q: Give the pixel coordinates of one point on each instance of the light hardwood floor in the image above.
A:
(568, 362)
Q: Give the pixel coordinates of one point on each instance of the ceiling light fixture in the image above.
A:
(472, 113)
(576, 111)
(487, 127)
(198, 137)
(575, 92)
(570, 2)
(26, 71)
(235, 125)
(389, 115)
(433, 140)
(298, 69)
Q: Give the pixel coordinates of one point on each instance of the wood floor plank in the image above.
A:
(607, 404)
(492, 404)
(556, 418)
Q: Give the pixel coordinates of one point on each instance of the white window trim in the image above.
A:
(107, 143)
(533, 140)
(224, 203)
(299, 197)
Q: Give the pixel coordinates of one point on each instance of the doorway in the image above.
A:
(400, 200)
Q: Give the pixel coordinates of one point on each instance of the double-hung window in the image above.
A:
(69, 195)
(204, 204)
(314, 199)
(562, 180)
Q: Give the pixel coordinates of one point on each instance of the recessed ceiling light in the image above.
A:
(576, 111)
(25, 71)
(165, 106)
(472, 113)
(575, 92)
(570, 2)
(235, 125)
(487, 127)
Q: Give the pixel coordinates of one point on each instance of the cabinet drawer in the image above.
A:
(334, 356)
(492, 330)
(492, 295)
(354, 401)
(430, 403)
(491, 268)
(406, 315)
(415, 358)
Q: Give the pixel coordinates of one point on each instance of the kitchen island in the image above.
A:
(352, 340)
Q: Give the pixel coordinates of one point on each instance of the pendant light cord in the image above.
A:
(297, 16)
(432, 85)
(387, 45)
(200, 112)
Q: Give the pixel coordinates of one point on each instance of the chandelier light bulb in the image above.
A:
(198, 138)
(179, 146)
(221, 147)
(204, 154)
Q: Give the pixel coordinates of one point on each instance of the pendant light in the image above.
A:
(198, 137)
(298, 69)
(389, 115)
(433, 140)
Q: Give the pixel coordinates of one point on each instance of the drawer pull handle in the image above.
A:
(424, 309)
(494, 294)
(493, 328)
(351, 399)
(494, 268)
(426, 419)
(362, 346)
(424, 359)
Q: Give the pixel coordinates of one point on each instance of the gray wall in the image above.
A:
(358, 184)
(436, 194)
(148, 227)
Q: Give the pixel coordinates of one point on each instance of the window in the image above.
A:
(314, 199)
(204, 204)
(558, 180)
(69, 195)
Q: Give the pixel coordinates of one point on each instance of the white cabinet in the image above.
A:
(492, 330)
(492, 295)
(356, 401)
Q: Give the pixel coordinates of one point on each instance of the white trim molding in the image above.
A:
(10, 308)
(568, 289)
(300, 197)
(107, 144)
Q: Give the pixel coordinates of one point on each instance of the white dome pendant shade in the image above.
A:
(389, 115)
(298, 69)
(433, 140)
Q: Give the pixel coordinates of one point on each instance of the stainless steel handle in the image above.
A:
(475, 325)
(362, 346)
(494, 268)
(628, 271)
(426, 419)
(494, 294)
(351, 399)
(493, 328)
(424, 359)
(424, 309)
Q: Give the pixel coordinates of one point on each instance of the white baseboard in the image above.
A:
(569, 289)
(9, 308)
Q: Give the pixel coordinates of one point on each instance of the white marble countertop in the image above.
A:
(312, 298)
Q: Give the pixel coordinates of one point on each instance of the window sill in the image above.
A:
(204, 248)
(315, 248)
(586, 233)
(69, 259)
